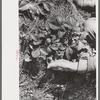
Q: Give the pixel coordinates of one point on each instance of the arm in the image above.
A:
(80, 66)
(62, 64)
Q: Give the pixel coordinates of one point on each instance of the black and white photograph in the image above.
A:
(57, 49)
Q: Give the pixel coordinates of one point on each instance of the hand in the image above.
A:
(63, 65)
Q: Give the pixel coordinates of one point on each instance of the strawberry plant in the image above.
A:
(54, 38)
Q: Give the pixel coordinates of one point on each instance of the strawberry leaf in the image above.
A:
(67, 26)
(35, 53)
(49, 50)
(27, 58)
(53, 37)
(60, 20)
(77, 29)
(54, 27)
(54, 47)
(23, 3)
(25, 7)
(33, 37)
(37, 42)
(33, 7)
(56, 41)
(41, 35)
(61, 47)
(68, 53)
(43, 51)
(61, 34)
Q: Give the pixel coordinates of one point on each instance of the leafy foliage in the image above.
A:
(35, 8)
